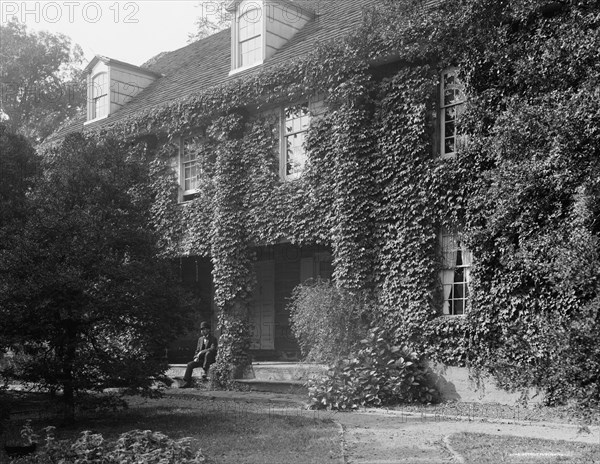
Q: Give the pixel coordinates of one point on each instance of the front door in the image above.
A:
(262, 308)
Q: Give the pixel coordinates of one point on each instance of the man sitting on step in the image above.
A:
(206, 353)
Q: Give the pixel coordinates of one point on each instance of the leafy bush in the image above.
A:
(131, 447)
(328, 321)
(378, 374)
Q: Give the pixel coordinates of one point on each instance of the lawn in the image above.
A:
(479, 448)
(225, 431)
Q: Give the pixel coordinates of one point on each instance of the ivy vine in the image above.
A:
(376, 192)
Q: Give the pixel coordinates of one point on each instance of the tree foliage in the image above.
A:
(213, 18)
(19, 166)
(41, 80)
(83, 298)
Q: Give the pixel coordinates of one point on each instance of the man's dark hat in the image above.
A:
(204, 325)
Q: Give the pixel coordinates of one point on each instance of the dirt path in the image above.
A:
(380, 438)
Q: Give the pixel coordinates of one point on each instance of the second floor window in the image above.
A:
(452, 100)
(190, 150)
(250, 37)
(99, 95)
(455, 274)
(296, 120)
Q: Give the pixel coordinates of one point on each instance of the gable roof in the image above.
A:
(110, 61)
(206, 63)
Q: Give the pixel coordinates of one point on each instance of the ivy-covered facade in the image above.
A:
(381, 145)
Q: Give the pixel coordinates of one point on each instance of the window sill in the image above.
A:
(451, 316)
(95, 120)
(291, 177)
(188, 196)
(448, 156)
(245, 68)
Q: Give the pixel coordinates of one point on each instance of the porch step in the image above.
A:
(281, 377)
(177, 371)
(296, 387)
(284, 371)
(276, 377)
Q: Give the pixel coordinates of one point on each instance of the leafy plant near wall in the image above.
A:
(377, 373)
(328, 321)
(523, 188)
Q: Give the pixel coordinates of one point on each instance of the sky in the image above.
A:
(130, 31)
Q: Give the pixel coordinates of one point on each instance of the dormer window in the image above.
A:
(295, 122)
(111, 84)
(99, 93)
(250, 36)
(260, 28)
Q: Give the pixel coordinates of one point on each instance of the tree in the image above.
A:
(213, 18)
(18, 165)
(41, 80)
(83, 296)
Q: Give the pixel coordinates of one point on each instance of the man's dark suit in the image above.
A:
(205, 355)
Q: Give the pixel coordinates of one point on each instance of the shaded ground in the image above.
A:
(368, 436)
(423, 435)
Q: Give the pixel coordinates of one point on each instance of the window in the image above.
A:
(190, 151)
(249, 37)
(452, 99)
(455, 274)
(99, 96)
(296, 120)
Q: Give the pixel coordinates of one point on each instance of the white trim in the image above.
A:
(95, 120)
(244, 68)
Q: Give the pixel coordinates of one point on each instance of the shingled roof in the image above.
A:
(207, 62)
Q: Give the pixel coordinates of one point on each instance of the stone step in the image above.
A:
(296, 387)
(178, 370)
(284, 371)
(275, 377)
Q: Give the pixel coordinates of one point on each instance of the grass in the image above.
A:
(479, 448)
(225, 431)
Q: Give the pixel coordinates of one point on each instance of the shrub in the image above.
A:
(379, 373)
(135, 446)
(328, 321)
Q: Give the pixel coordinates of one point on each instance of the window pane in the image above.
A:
(250, 51)
(298, 117)
(296, 155)
(99, 85)
(100, 106)
(250, 24)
